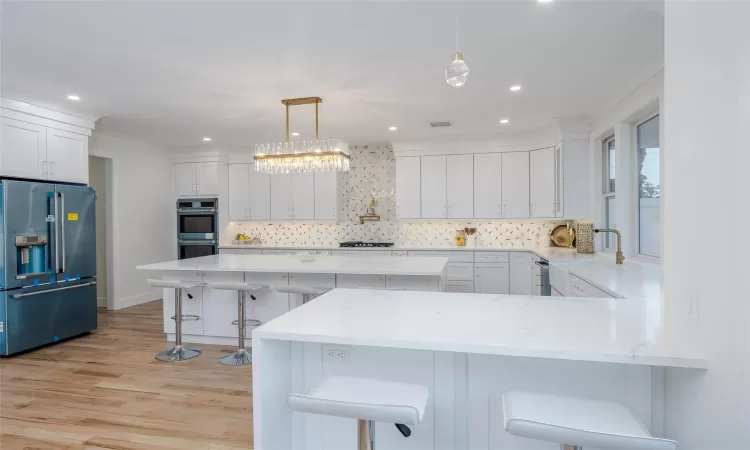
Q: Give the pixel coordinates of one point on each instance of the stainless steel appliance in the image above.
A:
(47, 263)
(541, 275)
(197, 227)
(365, 244)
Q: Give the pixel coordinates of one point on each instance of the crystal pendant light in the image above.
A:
(307, 156)
(457, 73)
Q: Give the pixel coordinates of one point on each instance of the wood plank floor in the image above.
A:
(106, 391)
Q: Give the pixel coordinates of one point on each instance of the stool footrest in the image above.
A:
(188, 317)
(252, 322)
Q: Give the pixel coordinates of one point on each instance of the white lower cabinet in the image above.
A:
(190, 306)
(412, 283)
(520, 273)
(492, 278)
(580, 288)
(221, 306)
(313, 280)
(360, 281)
(375, 253)
(269, 304)
(556, 293)
(464, 287)
(346, 252)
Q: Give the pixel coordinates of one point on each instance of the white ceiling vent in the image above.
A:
(442, 124)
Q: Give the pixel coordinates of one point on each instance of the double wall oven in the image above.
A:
(197, 227)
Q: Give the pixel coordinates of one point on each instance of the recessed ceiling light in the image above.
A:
(206, 139)
(295, 134)
(503, 121)
(515, 88)
(392, 128)
(73, 97)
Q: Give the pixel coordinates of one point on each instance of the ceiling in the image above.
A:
(171, 73)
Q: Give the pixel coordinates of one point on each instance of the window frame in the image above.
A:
(636, 176)
(607, 193)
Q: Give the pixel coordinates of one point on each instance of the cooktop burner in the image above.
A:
(365, 244)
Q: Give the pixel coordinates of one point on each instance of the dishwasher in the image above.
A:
(541, 275)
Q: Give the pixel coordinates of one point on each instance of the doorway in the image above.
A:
(100, 178)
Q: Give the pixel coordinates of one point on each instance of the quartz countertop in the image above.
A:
(581, 329)
(355, 265)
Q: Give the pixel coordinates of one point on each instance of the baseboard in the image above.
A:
(127, 302)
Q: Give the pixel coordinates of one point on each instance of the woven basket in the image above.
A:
(585, 237)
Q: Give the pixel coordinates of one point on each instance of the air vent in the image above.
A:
(443, 124)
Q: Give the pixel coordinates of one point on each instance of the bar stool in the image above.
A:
(308, 293)
(178, 353)
(367, 401)
(241, 356)
(575, 423)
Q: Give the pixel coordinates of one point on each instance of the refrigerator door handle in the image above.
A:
(29, 294)
(57, 237)
(62, 228)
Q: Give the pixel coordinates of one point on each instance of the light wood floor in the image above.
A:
(106, 391)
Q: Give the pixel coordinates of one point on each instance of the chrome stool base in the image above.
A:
(238, 358)
(178, 353)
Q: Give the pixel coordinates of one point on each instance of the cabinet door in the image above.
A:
(460, 186)
(326, 195)
(22, 149)
(542, 183)
(350, 281)
(520, 273)
(238, 192)
(268, 304)
(492, 278)
(281, 197)
(67, 156)
(515, 180)
(185, 176)
(464, 287)
(208, 178)
(488, 187)
(559, 181)
(408, 188)
(260, 195)
(434, 200)
(303, 196)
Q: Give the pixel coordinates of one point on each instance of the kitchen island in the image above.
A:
(467, 349)
(218, 308)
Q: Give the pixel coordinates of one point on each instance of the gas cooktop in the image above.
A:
(365, 244)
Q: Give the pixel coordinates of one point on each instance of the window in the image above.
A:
(608, 190)
(649, 188)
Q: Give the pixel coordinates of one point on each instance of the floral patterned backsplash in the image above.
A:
(373, 169)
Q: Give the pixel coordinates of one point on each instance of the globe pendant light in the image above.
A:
(457, 73)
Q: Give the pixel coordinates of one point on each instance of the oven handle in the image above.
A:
(542, 264)
(197, 211)
(180, 241)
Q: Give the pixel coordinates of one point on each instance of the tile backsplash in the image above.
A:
(373, 169)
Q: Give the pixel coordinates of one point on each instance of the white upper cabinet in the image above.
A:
(515, 181)
(196, 179)
(434, 200)
(559, 181)
(542, 187)
(260, 194)
(185, 176)
(327, 195)
(31, 148)
(67, 156)
(460, 186)
(238, 194)
(488, 187)
(408, 187)
(303, 196)
(23, 149)
(281, 197)
(208, 178)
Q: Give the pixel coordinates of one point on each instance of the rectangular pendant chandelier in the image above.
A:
(302, 156)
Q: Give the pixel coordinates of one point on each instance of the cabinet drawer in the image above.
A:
(376, 253)
(582, 288)
(400, 253)
(454, 256)
(491, 257)
(465, 287)
(460, 271)
(346, 252)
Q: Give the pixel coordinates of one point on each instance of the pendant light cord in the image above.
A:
(456, 34)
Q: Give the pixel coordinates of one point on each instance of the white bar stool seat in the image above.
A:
(307, 292)
(241, 356)
(575, 422)
(367, 401)
(178, 352)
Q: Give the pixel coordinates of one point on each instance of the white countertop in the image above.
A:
(355, 265)
(612, 330)
(633, 280)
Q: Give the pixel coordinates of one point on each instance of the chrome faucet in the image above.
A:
(619, 257)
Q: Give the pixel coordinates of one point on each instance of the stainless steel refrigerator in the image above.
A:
(47, 263)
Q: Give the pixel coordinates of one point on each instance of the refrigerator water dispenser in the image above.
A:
(31, 254)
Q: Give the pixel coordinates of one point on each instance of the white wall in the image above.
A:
(98, 181)
(143, 229)
(705, 119)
